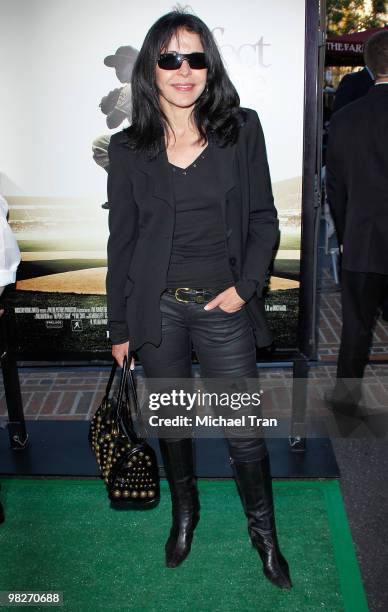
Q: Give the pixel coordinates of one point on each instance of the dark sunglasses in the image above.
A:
(173, 60)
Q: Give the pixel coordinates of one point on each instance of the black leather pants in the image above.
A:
(225, 347)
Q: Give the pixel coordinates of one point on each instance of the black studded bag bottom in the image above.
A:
(127, 463)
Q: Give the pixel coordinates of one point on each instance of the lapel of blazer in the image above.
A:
(223, 166)
(158, 170)
(224, 170)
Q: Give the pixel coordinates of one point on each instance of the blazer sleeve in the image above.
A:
(263, 221)
(123, 231)
(335, 181)
(345, 93)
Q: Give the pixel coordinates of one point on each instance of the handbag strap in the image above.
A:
(123, 380)
(134, 393)
(137, 413)
(111, 378)
(123, 388)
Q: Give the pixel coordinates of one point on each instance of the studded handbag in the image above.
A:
(127, 463)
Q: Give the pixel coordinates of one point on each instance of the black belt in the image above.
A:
(186, 294)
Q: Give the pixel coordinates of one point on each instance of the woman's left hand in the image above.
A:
(228, 300)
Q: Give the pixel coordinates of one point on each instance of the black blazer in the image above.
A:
(352, 86)
(357, 181)
(141, 222)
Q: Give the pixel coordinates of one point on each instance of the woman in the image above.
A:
(192, 227)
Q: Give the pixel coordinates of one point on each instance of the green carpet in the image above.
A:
(62, 535)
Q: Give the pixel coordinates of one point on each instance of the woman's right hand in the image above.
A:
(119, 351)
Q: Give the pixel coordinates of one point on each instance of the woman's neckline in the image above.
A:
(193, 164)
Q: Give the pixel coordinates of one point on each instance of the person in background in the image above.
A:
(357, 189)
(353, 86)
(9, 261)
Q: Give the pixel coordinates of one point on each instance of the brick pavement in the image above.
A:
(63, 394)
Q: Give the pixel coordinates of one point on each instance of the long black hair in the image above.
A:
(217, 112)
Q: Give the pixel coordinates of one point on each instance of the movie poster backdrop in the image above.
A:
(66, 69)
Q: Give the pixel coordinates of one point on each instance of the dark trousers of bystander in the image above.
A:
(363, 293)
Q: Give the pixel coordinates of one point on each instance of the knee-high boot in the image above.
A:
(178, 460)
(254, 483)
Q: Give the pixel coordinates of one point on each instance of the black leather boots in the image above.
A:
(178, 460)
(254, 483)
